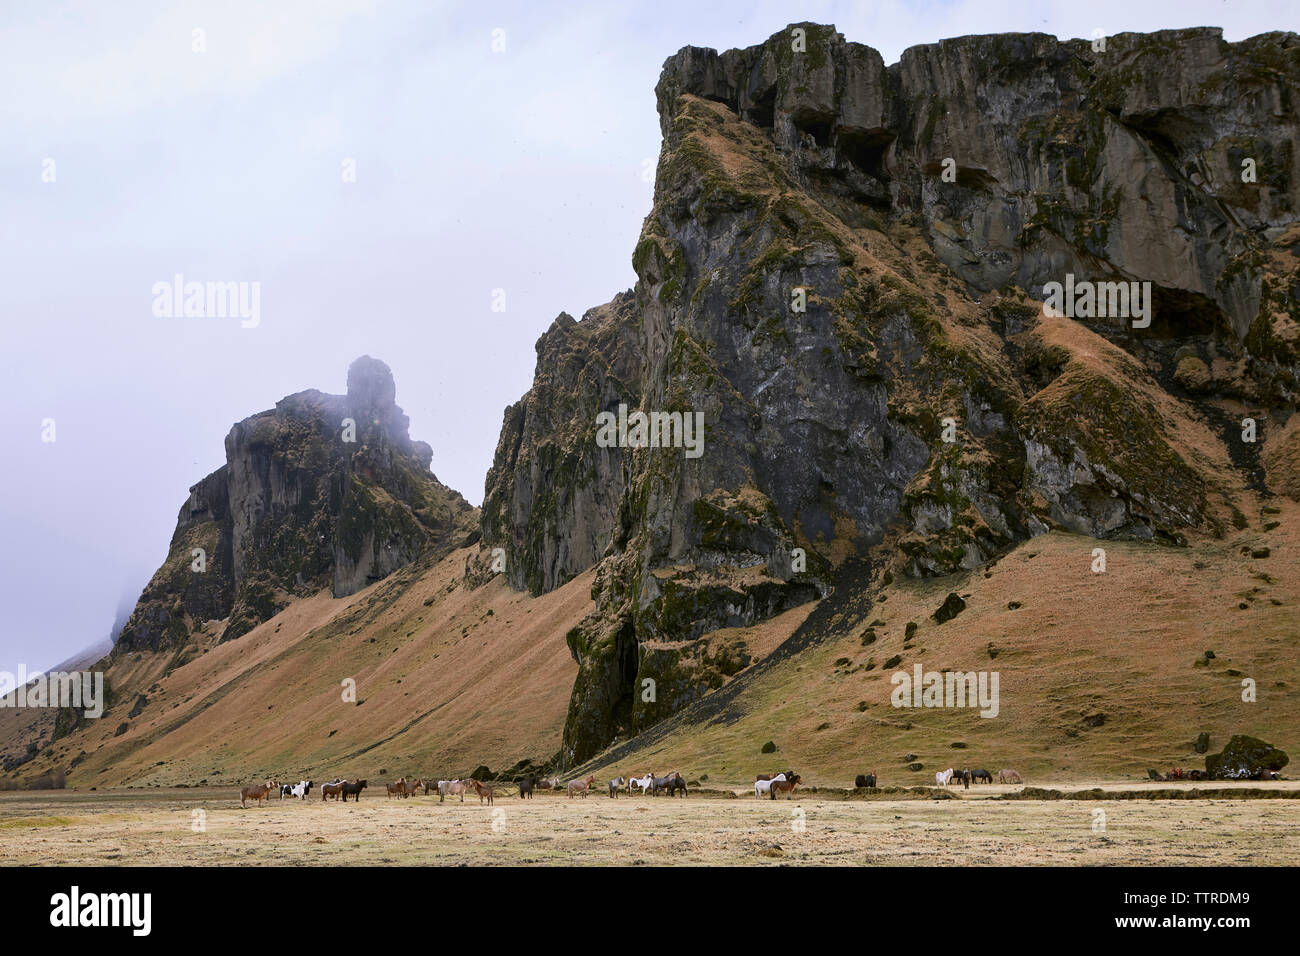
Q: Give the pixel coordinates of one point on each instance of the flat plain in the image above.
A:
(158, 827)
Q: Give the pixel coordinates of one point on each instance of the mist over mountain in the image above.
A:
(1011, 296)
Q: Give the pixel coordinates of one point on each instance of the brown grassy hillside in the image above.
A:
(447, 678)
(1120, 646)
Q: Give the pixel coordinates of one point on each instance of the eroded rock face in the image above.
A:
(296, 508)
(865, 341)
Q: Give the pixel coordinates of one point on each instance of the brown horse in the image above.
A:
(331, 789)
(785, 786)
(483, 790)
(409, 789)
(398, 788)
(258, 792)
(581, 786)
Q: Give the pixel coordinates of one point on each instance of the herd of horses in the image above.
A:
(967, 777)
(648, 784)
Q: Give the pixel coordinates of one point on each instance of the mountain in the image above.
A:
(845, 260)
(903, 338)
(322, 490)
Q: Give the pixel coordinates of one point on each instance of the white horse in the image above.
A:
(765, 786)
(452, 788)
(641, 783)
(943, 777)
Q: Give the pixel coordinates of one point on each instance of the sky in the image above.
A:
(494, 146)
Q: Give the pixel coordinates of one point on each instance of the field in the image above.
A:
(155, 827)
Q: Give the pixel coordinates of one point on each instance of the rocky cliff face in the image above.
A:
(323, 490)
(843, 271)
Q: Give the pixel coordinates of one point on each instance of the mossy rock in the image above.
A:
(1245, 758)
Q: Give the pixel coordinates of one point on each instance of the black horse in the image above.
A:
(983, 775)
(354, 789)
(862, 780)
(526, 786)
(964, 776)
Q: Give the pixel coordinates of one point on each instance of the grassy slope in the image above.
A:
(1120, 644)
(475, 677)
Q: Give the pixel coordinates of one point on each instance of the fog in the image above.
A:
(127, 157)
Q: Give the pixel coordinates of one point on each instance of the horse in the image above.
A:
(526, 786)
(550, 784)
(353, 789)
(641, 783)
(1009, 776)
(258, 792)
(668, 783)
(301, 789)
(963, 776)
(865, 780)
(409, 789)
(581, 786)
(772, 776)
(483, 790)
(764, 784)
(675, 784)
(453, 788)
(615, 786)
(332, 789)
(398, 788)
(943, 776)
(785, 786)
(978, 775)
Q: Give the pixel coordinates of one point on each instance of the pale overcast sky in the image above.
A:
(475, 170)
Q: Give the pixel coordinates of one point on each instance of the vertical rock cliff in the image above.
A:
(843, 271)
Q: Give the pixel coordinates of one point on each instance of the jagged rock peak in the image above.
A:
(371, 385)
(304, 501)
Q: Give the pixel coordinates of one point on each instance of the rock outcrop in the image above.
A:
(1245, 758)
(842, 272)
(321, 491)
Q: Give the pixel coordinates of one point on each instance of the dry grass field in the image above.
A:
(155, 827)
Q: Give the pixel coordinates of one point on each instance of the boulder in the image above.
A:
(1245, 758)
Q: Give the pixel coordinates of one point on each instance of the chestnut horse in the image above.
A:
(331, 789)
(483, 790)
(398, 788)
(581, 786)
(785, 786)
(258, 792)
